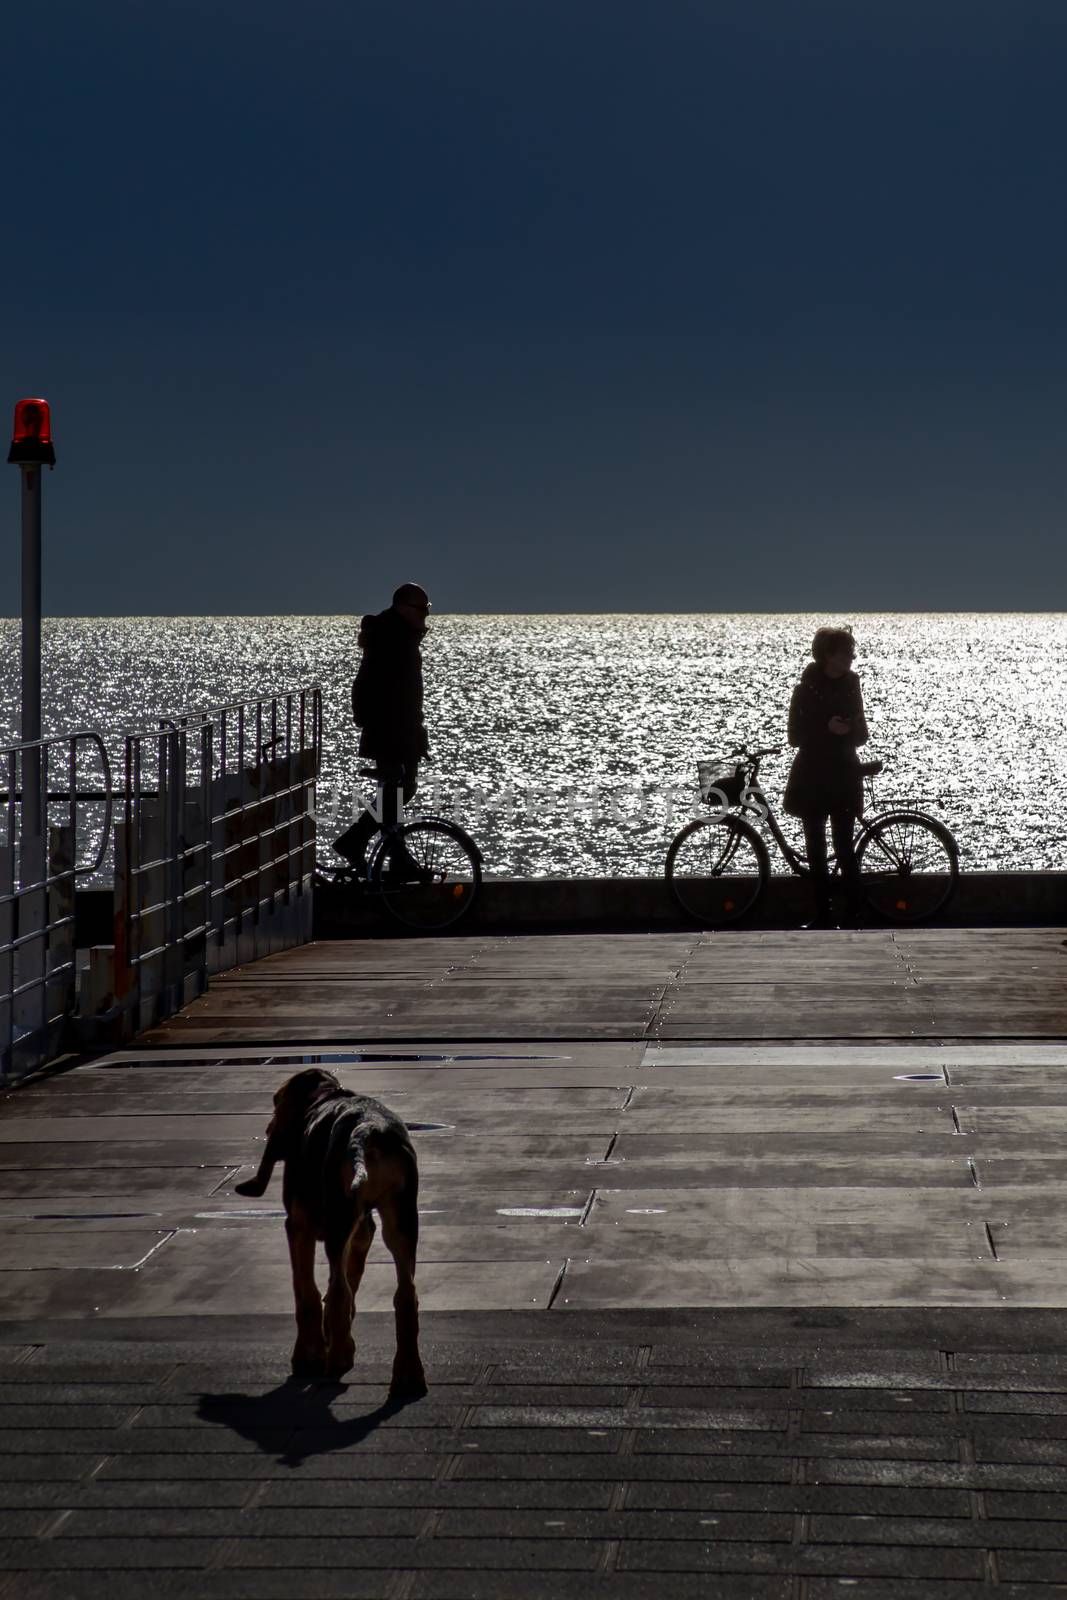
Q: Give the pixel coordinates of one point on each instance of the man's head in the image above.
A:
(413, 604)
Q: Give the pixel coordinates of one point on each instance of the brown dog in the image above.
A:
(345, 1156)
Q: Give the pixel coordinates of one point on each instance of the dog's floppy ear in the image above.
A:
(292, 1103)
(272, 1154)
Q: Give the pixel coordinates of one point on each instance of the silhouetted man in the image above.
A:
(387, 707)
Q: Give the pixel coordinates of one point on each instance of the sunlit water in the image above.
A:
(589, 711)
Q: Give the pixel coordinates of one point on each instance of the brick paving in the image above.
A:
(761, 1457)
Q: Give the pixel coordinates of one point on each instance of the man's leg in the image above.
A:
(400, 784)
(354, 842)
(397, 784)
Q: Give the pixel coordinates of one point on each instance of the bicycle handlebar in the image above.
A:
(755, 755)
(869, 769)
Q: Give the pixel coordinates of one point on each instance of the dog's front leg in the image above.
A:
(309, 1352)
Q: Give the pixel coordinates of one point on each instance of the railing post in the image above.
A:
(173, 872)
(7, 954)
(219, 837)
(33, 820)
(127, 974)
(207, 835)
(61, 987)
(31, 920)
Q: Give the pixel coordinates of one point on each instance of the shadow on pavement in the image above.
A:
(295, 1421)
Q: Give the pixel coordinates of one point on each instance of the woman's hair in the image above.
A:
(829, 640)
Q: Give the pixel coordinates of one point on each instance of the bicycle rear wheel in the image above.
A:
(910, 866)
(429, 873)
(718, 869)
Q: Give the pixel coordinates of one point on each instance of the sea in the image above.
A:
(569, 743)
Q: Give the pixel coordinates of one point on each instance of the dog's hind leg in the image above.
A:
(347, 1256)
(309, 1352)
(359, 1243)
(400, 1230)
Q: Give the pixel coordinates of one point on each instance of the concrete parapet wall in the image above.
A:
(983, 899)
(987, 899)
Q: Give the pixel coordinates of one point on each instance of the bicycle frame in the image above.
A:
(899, 890)
(764, 812)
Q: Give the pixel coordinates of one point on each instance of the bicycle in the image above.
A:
(426, 872)
(719, 867)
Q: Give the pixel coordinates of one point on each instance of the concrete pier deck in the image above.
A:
(1001, 983)
(742, 1269)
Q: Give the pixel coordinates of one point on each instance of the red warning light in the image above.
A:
(31, 439)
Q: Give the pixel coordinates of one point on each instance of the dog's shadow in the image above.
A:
(295, 1420)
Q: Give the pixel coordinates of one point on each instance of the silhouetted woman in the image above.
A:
(827, 724)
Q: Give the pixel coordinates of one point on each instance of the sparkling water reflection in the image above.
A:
(965, 707)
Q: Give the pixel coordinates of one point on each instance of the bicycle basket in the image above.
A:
(719, 780)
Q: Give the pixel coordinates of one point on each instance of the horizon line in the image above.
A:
(307, 616)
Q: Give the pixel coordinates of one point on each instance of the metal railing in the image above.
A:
(40, 859)
(213, 857)
(216, 825)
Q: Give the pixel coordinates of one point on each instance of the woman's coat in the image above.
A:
(825, 775)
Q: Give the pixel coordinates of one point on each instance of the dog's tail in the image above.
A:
(381, 1162)
(360, 1175)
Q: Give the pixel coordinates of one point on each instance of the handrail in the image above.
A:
(48, 738)
(191, 719)
(73, 795)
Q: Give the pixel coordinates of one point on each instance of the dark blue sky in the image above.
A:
(551, 304)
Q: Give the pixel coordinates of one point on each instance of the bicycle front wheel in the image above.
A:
(718, 869)
(910, 866)
(429, 874)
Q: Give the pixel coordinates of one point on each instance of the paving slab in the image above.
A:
(849, 1170)
(887, 983)
(770, 1308)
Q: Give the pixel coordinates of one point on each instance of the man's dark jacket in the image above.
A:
(825, 775)
(387, 693)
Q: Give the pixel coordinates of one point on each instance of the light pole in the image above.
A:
(31, 449)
